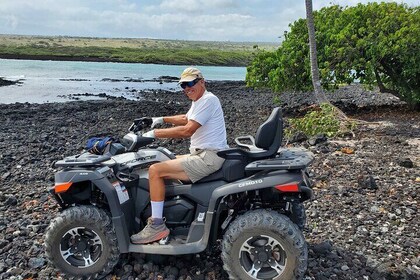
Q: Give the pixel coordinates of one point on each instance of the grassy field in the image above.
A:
(131, 50)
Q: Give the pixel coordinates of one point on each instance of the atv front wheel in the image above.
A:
(264, 244)
(81, 243)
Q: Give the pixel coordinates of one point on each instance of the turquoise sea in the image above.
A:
(53, 81)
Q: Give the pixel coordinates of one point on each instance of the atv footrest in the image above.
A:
(287, 159)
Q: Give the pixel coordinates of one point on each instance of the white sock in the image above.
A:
(157, 209)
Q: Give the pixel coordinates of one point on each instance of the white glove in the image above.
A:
(156, 121)
(150, 134)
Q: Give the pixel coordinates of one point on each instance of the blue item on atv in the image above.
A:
(97, 145)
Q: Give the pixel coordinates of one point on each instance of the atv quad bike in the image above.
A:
(253, 204)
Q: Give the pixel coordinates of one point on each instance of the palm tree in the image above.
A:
(320, 96)
(319, 93)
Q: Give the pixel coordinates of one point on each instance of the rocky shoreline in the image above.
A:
(363, 222)
(4, 82)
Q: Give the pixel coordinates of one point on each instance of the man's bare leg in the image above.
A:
(158, 172)
(156, 228)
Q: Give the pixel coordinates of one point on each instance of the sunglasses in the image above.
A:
(184, 85)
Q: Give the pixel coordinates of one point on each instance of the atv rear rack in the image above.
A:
(286, 159)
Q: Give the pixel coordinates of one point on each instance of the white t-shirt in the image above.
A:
(207, 111)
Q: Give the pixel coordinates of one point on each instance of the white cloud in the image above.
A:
(233, 20)
(181, 5)
(11, 21)
(197, 5)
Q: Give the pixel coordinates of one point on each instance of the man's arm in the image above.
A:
(176, 120)
(181, 131)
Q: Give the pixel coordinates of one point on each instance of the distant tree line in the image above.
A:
(376, 44)
(178, 56)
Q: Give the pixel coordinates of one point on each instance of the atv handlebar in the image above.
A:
(139, 124)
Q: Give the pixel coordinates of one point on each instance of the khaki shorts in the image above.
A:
(201, 164)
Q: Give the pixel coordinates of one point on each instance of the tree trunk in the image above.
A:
(379, 80)
(382, 87)
(319, 93)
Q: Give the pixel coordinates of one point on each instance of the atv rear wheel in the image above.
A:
(264, 244)
(81, 243)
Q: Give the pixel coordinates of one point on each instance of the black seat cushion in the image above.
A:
(231, 170)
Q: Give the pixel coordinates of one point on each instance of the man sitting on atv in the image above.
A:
(205, 124)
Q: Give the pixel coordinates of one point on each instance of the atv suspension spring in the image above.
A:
(97, 197)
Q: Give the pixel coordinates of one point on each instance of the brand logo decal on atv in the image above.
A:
(83, 173)
(249, 183)
(140, 159)
(146, 158)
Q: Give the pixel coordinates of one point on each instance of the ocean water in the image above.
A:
(55, 81)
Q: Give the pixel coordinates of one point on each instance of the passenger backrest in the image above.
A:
(270, 134)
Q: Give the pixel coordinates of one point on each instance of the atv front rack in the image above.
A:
(286, 159)
(85, 159)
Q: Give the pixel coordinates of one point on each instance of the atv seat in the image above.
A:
(266, 144)
(231, 170)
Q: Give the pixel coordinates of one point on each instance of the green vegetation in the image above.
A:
(131, 50)
(320, 120)
(377, 44)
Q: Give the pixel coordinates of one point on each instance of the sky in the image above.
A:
(203, 20)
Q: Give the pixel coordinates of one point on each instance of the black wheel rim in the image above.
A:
(81, 247)
(262, 257)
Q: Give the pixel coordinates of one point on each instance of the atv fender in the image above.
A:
(258, 181)
(102, 179)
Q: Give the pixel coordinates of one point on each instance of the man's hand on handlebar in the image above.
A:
(157, 121)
